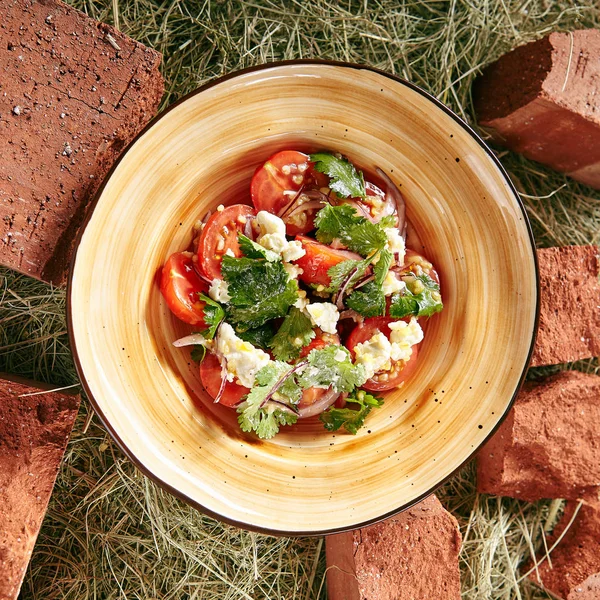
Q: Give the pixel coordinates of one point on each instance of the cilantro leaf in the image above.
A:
(345, 180)
(198, 353)
(256, 413)
(295, 332)
(421, 298)
(213, 315)
(331, 367)
(351, 419)
(353, 269)
(259, 337)
(369, 300)
(382, 266)
(251, 249)
(355, 232)
(388, 221)
(260, 290)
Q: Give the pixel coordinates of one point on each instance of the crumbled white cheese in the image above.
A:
(340, 355)
(243, 359)
(324, 315)
(229, 252)
(391, 284)
(218, 290)
(374, 354)
(302, 301)
(395, 243)
(292, 270)
(272, 237)
(403, 337)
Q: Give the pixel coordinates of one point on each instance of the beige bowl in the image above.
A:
(202, 152)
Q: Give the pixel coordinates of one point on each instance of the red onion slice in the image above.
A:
(223, 381)
(323, 403)
(394, 194)
(311, 205)
(190, 340)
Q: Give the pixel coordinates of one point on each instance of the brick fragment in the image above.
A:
(569, 305)
(543, 100)
(34, 431)
(70, 101)
(547, 447)
(413, 555)
(573, 571)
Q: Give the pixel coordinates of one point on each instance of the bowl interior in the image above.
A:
(202, 153)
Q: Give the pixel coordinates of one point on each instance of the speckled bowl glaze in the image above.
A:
(202, 152)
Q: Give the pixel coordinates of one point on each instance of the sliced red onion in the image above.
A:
(393, 192)
(317, 407)
(206, 217)
(366, 280)
(248, 227)
(339, 299)
(284, 407)
(223, 381)
(291, 203)
(190, 340)
(351, 314)
(282, 379)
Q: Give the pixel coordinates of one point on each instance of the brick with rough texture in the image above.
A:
(573, 574)
(34, 430)
(569, 305)
(543, 100)
(413, 556)
(548, 446)
(70, 101)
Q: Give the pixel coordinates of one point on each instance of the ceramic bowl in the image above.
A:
(202, 152)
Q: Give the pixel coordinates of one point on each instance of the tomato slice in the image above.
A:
(180, 285)
(275, 184)
(319, 258)
(219, 235)
(210, 374)
(400, 370)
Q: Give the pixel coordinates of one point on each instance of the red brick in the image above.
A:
(69, 103)
(576, 560)
(547, 447)
(569, 305)
(411, 556)
(33, 435)
(543, 100)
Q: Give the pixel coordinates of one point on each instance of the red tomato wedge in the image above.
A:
(319, 258)
(180, 285)
(210, 374)
(275, 183)
(219, 235)
(400, 370)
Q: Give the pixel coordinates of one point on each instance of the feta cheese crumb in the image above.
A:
(403, 337)
(395, 243)
(391, 284)
(244, 361)
(292, 270)
(374, 354)
(218, 291)
(229, 252)
(302, 301)
(324, 315)
(272, 237)
(340, 355)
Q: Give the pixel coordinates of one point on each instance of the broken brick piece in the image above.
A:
(543, 100)
(569, 326)
(547, 447)
(576, 559)
(73, 94)
(34, 430)
(413, 555)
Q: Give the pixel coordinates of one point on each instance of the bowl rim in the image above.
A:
(92, 205)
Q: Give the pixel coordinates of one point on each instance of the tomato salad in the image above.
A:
(308, 302)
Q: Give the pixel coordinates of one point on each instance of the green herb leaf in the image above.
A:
(331, 367)
(266, 420)
(388, 221)
(421, 298)
(355, 232)
(339, 274)
(351, 419)
(295, 332)
(198, 353)
(345, 180)
(213, 315)
(260, 290)
(382, 266)
(259, 337)
(251, 249)
(369, 300)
